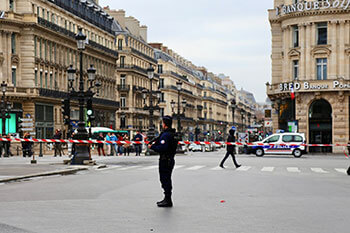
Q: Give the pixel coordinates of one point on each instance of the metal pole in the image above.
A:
(81, 90)
(178, 113)
(3, 114)
(151, 109)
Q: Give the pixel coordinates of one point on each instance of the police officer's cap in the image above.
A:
(168, 121)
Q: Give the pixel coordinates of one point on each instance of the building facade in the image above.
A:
(37, 45)
(311, 57)
(135, 57)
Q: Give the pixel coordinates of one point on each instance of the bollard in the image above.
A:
(41, 149)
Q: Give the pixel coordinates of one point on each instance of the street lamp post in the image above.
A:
(151, 108)
(5, 110)
(242, 115)
(179, 114)
(82, 150)
(233, 105)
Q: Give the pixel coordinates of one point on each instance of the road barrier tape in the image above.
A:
(254, 145)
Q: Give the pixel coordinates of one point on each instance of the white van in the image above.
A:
(282, 143)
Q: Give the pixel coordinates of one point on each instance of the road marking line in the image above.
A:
(149, 167)
(194, 168)
(128, 168)
(108, 168)
(216, 168)
(318, 170)
(268, 169)
(341, 170)
(244, 168)
(293, 169)
(178, 166)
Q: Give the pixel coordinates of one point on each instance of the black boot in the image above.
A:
(167, 202)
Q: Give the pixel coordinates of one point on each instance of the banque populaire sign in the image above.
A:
(303, 6)
(307, 86)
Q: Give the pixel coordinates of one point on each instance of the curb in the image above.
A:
(52, 173)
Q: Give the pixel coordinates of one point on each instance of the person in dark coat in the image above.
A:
(166, 145)
(138, 147)
(1, 146)
(58, 145)
(27, 146)
(231, 149)
(100, 148)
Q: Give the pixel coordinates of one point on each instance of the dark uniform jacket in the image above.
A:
(232, 139)
(166, 144)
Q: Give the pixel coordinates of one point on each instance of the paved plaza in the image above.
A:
(269, 194)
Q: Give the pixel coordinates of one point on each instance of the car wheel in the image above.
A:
(259, 152)
(297, 153)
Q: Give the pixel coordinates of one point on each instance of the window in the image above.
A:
(162, 99)
(122, 121)
(122, 80)
(38, 11)
(122, 61)
(36, 78)
(321, 33)
(14, 76)
(51, 80)
(298, 139)
(272, 139)
(41, 79)
(295, 69)
(48, 16)
(161, 83)
(46, 80)
(160, 69)
(123, 101)
(45, 50)
(12, 5)
(287, 138)
(35, 47)
(13, 43)
(40, 49)
(295, 36)
(321, 68)
(120, 44)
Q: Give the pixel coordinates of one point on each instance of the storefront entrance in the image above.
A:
(320, 126)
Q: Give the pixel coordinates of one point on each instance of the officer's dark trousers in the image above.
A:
(166, 167)
(233, 158)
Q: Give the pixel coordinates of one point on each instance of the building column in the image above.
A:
(332, 63)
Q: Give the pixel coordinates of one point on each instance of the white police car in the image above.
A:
(281, 143)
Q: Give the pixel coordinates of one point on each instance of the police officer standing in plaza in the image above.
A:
(231, 149)
(166, 145)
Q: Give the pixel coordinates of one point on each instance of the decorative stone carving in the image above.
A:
(2, 58)
(14, 59)
(317, 95)
(321, 50)
(294, 53)
(298, 99)
(341, 96)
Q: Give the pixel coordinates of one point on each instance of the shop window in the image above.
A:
(321, 66)
(295, 36)
(295, 69)
(321, 33)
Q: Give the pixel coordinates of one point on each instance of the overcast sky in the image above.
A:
(226, 36)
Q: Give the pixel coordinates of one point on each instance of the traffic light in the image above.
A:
(90, 111)
(66, 108)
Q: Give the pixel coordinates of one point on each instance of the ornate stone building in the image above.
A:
(37, 45)
(135, 57)
(311, 55)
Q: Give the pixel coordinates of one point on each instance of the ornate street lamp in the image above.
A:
(242, 115)
(82, 150)
(4, 113)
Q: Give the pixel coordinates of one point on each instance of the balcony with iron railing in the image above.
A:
(123, 88)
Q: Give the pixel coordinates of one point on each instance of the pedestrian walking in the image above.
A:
(114, 139)
(109, 145)
(27, 146)
(138, 147)
(126, 146)
(58, 145)
(100, 145)
(231, 149)
(166, 145)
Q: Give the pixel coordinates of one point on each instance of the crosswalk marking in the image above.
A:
(318, 170)
(178, 166)
(244, 168)
(293, 169)
(216, 168)
(149, 167)
(128, 168)
(194, 168)
(341, 170)
(267, 169)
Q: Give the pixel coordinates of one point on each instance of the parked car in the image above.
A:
(194, 147)
(282, 143)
